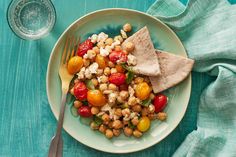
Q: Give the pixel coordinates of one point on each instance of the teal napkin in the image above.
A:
(207, 29)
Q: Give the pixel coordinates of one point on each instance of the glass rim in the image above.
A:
(11, 22)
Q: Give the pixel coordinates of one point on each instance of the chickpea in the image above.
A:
(116, 132)
(111, 64)
(127, 27)
(151, 116)
(109, 41)
(124, 94)
(128, 131)
(146, 79)
(102, 128)
(94, 110)
(137, 108)
(152, 96)
(125, 112)
(129, 46)
(110, 124)
(105, 117)
(135, 121)
(103, 87)
(119, 37)
(107, 71)
(123, 34)
(94, 126)
(132, 101)
(99, 72)
(86, 62)
(117, 124)
(113, 70)
(72, 91)
(100, 44)
(138, 80)
(161, 116)
(118, 48)
(107, 92)
(125, 122)
(104, 79)
(144, 111)
(120, 100)
(118, 112)
(91, 54)
(77, 104)
(109, 133)
(96, 49)
(112, 87)
(137, 133)
(95, 82)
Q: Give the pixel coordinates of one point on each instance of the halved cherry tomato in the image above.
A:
(118, 56)
(96, 98)
(85, 111)
(75, 64)
(117, 78)
(142, 90)
(160, 102)
(102, 61)
(80, 91)
(144, 124)
(84, 47)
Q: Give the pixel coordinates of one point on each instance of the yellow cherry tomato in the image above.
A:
(75, 64)
(142, 90)
(144, 124)
(96, 98)
(102, 61)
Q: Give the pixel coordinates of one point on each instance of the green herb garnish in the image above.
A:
(97, 120)
(89, 84)
(131, 125)
(125, 66)
(129, 77)
(146, 102)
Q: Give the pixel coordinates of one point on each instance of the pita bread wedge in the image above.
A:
(174, 69)
(147, 62)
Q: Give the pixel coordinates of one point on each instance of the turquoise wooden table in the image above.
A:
(26, 121)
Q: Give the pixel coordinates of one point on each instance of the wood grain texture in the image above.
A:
(26, 121)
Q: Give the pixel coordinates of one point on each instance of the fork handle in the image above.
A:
(56, 139)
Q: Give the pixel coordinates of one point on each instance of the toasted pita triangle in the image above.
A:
(174, 69)
(147, 62)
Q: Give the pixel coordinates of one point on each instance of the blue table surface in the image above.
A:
(26, 121)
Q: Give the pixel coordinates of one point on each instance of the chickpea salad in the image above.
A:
(108, 91)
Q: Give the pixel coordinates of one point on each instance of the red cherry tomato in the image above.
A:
(84, 47)
(85, 111)
(160, 102)
(117, 78)
(80, 91)
(118, 56)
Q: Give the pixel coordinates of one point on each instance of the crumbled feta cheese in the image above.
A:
(88, 74)
(102, 37)
(93, 68)
(80, 74)
(104, 52)
(117, 42)
(131, 91)
(108, 48)
(151, 108)
(132, 60)
(112, 98)
(106, 108)
(94, 38)
(123, 34)
(90, 54)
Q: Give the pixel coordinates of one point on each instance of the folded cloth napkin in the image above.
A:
(207, 29)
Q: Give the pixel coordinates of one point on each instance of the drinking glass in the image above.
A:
(31, 19)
